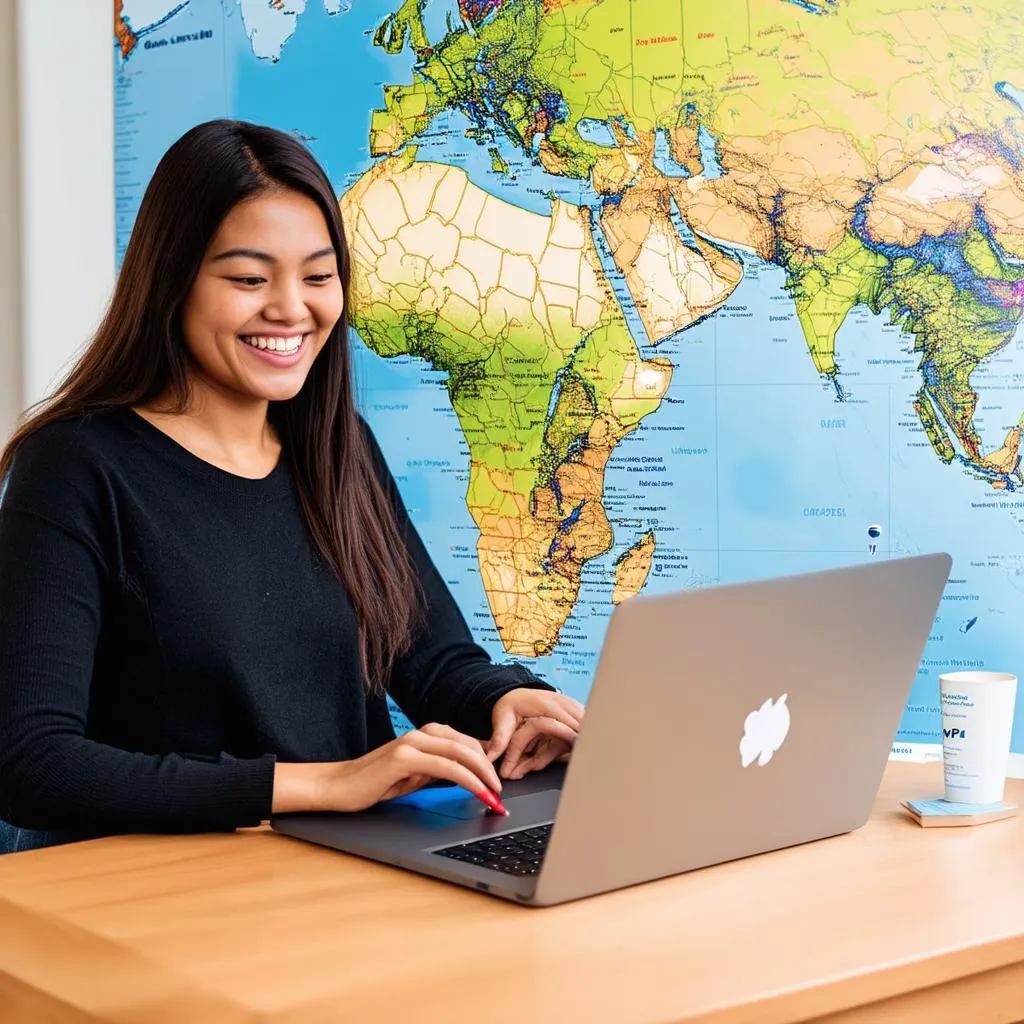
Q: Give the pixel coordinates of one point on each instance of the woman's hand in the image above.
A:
(532, 728)
(399, 767)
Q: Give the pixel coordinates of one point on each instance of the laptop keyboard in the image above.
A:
(514, 853)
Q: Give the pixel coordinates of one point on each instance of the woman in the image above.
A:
(209, 578)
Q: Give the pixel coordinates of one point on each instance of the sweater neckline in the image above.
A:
(187, 459)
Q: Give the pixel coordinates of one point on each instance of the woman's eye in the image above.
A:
(253, 281)
(319, 278)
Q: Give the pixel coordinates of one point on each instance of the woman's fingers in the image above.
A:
(532, 730)
(447, 732)
(575, 708)
(440, 752)
(561, 710)
(437, 766)
(546, 753)
(443, 742)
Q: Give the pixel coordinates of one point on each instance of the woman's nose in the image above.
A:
(286, 303)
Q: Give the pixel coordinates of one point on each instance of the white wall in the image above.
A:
(65, 163)
(10, 242)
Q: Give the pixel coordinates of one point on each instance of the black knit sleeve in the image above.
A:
(445, 676)
(58, 544)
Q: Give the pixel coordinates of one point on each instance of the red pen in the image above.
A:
(492, 801)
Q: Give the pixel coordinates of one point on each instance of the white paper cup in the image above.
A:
(977, 720)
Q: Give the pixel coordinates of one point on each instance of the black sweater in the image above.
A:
(167, 631)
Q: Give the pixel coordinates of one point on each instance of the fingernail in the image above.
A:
(492, 801)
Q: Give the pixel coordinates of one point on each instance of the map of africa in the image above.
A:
(651, 295)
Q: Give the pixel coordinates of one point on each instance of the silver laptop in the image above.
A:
(722, 722)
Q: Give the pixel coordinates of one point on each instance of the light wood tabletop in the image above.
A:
(893, 922)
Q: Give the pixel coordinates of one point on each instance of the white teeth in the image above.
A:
(284, 345)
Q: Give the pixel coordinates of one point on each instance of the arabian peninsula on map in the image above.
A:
(652, 296)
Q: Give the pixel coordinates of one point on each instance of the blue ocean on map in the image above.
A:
(597, 132)
(663, 159)
(1011, 92)
(763, 469)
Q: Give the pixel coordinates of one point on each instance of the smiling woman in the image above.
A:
(280, 305)
(210, 579)
(255, 320)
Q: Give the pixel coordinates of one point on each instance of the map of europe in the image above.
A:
(652, 295)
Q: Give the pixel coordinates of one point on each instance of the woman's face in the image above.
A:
(266, 298)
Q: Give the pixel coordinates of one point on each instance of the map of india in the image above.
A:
(656, 295)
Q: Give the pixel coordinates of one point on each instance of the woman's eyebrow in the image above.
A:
(253, 254)
(265, 257)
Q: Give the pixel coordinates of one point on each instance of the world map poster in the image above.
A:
(657, 294)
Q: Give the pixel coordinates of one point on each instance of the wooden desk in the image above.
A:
(891, 923)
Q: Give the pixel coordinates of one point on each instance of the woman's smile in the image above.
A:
(276, 349)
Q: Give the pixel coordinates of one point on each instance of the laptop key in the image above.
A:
(515, 853)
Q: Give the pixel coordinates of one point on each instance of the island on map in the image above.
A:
(632, 568)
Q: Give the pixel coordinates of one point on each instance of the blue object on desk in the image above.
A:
(431, 796)
(448, 801)
(948, 807)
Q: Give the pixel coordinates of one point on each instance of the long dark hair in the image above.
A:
(138, 354)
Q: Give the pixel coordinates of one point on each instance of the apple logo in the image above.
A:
(764, 731)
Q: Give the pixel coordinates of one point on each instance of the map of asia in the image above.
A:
(657, 294)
